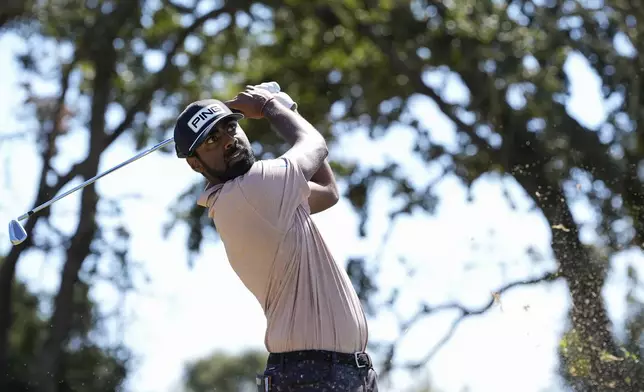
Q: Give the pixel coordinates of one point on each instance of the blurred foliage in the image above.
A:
(576, 355)
(576, 362)
(85, 366)
(224, 372)
(15, 13)
(494, 71)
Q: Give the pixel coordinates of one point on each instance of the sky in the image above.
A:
(462, 253)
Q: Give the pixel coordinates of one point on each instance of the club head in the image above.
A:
(17, 233)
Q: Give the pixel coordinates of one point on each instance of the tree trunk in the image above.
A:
(8, 267)
(7, 273)
(80, 246)
(45, 192)
(64, 301)
(585, 277)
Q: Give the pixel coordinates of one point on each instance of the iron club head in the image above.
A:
(17, 233)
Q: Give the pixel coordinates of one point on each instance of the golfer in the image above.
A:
(316, 332)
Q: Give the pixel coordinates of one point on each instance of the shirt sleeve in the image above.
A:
(275, 188)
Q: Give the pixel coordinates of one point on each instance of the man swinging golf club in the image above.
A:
(316, 329)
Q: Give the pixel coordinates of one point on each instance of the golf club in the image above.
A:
(17, 233)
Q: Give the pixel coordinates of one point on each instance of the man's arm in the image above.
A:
(274, 189)
(324, 190)
(309, 149)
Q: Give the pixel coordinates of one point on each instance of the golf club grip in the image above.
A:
(93, 179)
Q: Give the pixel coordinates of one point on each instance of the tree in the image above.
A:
(106, 68)
(100, 53)
(362, 65)
(85, 365)
(370, 60)
(14, 12)
(225, 372)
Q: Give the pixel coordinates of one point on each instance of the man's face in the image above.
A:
(225, 154)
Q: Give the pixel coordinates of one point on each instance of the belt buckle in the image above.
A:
(356, 356)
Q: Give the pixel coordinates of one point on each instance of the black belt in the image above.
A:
(359, 360)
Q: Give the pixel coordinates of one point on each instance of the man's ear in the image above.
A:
(195, 164)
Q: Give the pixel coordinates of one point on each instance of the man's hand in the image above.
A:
(275, 89)
(251, 102)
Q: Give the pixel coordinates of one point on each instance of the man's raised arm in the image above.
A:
(324, 191)
(309, 149)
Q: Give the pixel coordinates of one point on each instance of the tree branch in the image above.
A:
(464, 311)
(415, 77)
(143, 100)
(146, 95)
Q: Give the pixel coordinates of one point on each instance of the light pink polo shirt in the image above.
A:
(275, 248)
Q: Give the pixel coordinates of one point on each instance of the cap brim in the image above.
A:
(206, 132)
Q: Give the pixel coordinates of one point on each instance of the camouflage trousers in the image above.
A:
(302, 372)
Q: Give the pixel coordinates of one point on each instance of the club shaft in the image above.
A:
(93, 179)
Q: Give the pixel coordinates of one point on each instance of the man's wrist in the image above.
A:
(273, 108)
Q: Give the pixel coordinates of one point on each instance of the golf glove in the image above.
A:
(274, 88)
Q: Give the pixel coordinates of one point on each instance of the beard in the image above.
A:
(237, 166)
